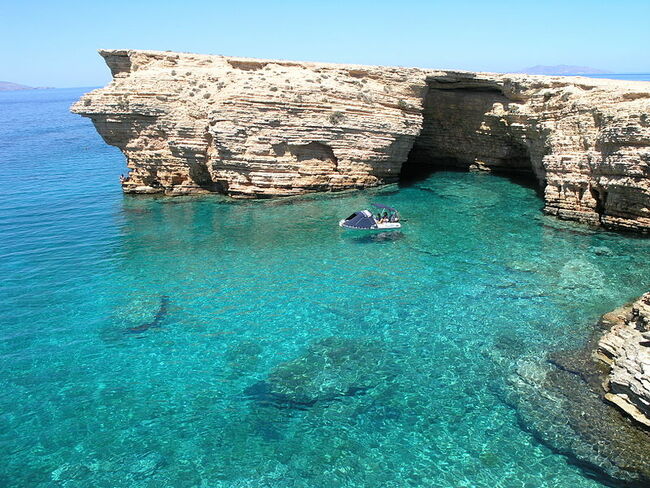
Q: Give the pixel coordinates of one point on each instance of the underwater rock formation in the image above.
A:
(625, 348)
(566, 400)
(157, 320)
(331, 369)
(560, 405)
(257, 128)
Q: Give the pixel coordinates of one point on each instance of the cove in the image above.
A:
(290, 353)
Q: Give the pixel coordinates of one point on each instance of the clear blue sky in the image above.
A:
(54, 43)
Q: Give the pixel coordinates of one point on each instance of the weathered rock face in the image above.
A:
(254, 128)
(626, 349)
(250, 128)
(586, 141)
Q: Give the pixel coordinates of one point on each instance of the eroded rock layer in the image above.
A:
(251, 128)
(255, 128)
(625, 348)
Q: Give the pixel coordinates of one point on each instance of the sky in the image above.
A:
(54, 43)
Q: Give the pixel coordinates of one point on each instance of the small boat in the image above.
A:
(386, 219)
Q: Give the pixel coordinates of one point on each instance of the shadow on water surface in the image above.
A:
(412, 174)
(381, 237)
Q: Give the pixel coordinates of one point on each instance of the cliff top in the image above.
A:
(123, 60)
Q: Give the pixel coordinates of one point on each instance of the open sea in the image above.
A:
(140, 337)
(622, 76)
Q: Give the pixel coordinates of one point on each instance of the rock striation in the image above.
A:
(625, 348)
(252, 128)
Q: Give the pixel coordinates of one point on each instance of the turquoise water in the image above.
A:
(402, 341)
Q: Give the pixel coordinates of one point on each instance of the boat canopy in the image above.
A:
(360, 220)
(387, 212)
(387, 219)
(386, 207)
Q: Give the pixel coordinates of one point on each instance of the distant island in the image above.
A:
(563, 69)
(9, 86)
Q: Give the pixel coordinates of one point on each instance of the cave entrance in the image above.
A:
(418, 167)
(463, 129)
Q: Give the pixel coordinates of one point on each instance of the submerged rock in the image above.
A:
(566, 414)
(243, 357)
(144, 466)
(330, 370)
(566, 400)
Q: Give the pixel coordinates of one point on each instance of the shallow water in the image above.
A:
(432, 317)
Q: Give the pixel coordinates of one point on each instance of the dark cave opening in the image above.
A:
(415, 170)
(464, 129)
(600, 196)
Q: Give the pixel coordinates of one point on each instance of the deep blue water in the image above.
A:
(257, 290)
(614, 76)
(622, 76)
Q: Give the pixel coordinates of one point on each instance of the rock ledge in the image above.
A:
(625, 348)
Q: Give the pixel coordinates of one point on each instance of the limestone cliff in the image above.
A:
(250, 128)
(254, 128)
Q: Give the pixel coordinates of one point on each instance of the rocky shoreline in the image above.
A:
(252, 128)
(591, 404)
(625, 349)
